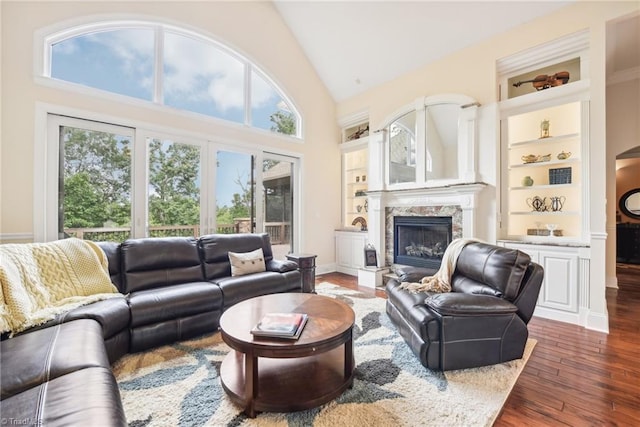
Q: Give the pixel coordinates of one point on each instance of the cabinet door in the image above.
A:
(357, 252)
(343, 250)
(560, 286)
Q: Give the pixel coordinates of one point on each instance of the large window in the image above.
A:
(94, 179)
(173, 67)
(106, 182)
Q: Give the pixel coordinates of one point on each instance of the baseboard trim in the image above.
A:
(598, 322)
(325, 268)
(16, 237)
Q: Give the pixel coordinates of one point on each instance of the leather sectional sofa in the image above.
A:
(482, 321)
(58, 374)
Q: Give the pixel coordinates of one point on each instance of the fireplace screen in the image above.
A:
(420, 240)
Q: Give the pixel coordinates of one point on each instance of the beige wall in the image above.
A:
(254, 29)
(472, 71)
(623, 126)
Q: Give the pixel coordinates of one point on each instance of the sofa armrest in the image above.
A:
(459, 304)
(408, 273)
(281, 266)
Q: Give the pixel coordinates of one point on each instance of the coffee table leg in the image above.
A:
(348, 360)
(251, 383)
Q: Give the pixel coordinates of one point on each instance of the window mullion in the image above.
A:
(247, 94)
(158, 93)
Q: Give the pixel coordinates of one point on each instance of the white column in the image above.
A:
(376, 224)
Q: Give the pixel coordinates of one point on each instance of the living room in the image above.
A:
(257, 31)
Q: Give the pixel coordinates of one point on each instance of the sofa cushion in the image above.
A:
(215, 248)
(407, 273)
(112, 314)
(459, 304)
(86, 397)
(40, 356)
(156, 262)
(466, 285)
(112, 252)
(500, 268)
(247, 262)
(281, 266)
(171, 302)
(240, 288)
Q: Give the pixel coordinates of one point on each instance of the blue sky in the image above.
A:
(230, 165)
(198, 76)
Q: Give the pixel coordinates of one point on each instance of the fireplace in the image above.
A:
(421, 240)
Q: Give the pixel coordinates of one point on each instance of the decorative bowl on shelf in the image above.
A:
(552, 229)
(545, 158)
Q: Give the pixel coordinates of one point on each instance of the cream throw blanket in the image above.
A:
(441, 281)
(39, 281)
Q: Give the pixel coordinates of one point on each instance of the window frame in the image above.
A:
(46, 168)
(45, 38)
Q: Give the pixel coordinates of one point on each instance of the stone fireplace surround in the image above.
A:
(458, 201)
(452, 211)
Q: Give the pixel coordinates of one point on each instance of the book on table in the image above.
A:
(281, 325)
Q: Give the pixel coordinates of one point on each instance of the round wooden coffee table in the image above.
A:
(291, 375)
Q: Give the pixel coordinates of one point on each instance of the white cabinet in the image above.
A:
(350, 251)
(560, 288)
(563, 293)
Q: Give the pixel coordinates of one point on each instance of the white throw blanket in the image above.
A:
(39, 281)
(441, 281)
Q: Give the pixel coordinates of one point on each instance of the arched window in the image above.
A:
(170, 66)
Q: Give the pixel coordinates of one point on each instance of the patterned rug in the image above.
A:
(178, 385)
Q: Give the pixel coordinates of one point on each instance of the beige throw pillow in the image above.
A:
(247, 263)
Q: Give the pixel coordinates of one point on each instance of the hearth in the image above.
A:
(421, 240)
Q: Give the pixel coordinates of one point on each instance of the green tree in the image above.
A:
(283, 122)
(96, 177)
(174, 196)
(83, 203)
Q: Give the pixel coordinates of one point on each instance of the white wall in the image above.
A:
(253, 28)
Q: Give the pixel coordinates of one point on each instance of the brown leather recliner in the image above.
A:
(482, 321)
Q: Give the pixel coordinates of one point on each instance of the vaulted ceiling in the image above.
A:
(356, 45)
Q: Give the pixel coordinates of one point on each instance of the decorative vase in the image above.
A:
(527, 181)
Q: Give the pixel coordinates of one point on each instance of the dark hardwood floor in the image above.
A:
(575, 376)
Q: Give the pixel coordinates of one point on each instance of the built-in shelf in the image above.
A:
(555, 213)
(543, 186)
(547, 163)
(551, 179)
(539, 141)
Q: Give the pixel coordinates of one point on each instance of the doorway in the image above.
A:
(255, 193)
(628, 209)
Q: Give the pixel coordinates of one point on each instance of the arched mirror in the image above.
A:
(432, 142)
(402, 149)
(630, 203)
(442, 141)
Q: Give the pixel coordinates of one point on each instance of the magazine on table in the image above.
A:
(281, 325)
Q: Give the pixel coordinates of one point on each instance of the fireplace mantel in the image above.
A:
(462, 196)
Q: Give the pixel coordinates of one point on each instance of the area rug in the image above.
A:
(178, 385)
